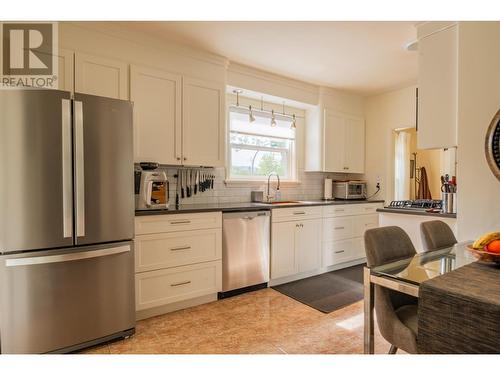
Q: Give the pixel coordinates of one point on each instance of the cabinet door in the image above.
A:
(101, 76)
(354, 145)
(157, 115)
(308, 245)
(437, 89)
(65, 76)
(334, 142)
(283, 255)
(203, 132)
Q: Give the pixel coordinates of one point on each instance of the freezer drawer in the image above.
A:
(52, 300)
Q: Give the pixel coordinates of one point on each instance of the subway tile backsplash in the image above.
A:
(310, 187)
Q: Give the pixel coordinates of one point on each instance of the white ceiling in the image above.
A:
(363, 57)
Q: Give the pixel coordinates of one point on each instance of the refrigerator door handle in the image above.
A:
(67, 180)
(79, 169)
(15, 262)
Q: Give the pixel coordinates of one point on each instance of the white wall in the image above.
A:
(383, 114)
(478, 101)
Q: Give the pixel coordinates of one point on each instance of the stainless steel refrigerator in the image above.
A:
(66, 221)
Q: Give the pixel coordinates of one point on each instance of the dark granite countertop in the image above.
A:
(414, 212)
(245, 206)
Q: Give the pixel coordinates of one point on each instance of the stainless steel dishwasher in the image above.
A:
(245, 251)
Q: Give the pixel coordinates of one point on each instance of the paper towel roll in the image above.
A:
(328, 189)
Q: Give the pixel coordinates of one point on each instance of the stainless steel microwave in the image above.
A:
(349, 189)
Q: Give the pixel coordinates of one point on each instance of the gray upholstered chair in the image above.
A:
(436, 235)
(396, 312)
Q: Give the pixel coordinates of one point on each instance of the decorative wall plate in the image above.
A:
(492, 145)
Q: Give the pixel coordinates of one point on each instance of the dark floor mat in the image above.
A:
(329, 291)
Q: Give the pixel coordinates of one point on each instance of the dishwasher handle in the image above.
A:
(246, 215)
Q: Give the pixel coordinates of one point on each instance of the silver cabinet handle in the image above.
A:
(14, 262)
(181, 283)
(79, 169)
(339, 210)
(339, 228)
(67, 178)
(340, 251)
(180, 248)
(369, 208)
(180, 222)
(299, 213)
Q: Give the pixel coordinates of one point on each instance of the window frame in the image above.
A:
(292, 164)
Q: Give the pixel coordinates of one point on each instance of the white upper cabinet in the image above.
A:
(343, 144)
(334, 142)
(101, 76)
(65, 77)
(178, 120)
(355, 145)
(203, 117)
(437, 88)
(157, 97)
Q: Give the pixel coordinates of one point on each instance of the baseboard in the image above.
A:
(319, 271)
(160, 310)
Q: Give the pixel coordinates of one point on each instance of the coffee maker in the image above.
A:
(153, 188)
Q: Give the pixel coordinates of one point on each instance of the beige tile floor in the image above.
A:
(261, 322)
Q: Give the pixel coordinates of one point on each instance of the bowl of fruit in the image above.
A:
(487, 248)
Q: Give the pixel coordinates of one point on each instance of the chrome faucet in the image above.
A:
(268, 183)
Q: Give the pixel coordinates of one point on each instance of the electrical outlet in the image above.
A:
(378, 185)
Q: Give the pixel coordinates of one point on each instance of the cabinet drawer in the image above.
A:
(172, 223)
(363, 223)
(336, 252)
(157, 288)
(163, 250)
(296, 213)
(337, 210)
(366, 209)
(337, 228)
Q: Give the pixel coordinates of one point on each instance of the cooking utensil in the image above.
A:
(177, 189)
(188, 183)
(182, 183)
(195, 182)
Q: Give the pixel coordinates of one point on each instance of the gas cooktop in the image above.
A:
(418, 204)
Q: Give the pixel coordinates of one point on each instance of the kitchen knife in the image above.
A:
(195, 182)
(182, 183)
(177, 189)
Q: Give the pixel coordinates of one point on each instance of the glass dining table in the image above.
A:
(406, 275)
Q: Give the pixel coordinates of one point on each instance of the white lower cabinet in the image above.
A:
(161, 287)
(295, 244)
(283, 253)
(305, 240)
(177, 258)
(308, 245)
(343, 236)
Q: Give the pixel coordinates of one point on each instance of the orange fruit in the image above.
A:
(494, 246)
